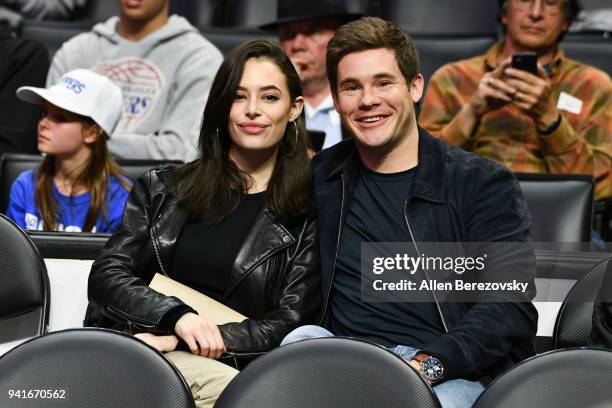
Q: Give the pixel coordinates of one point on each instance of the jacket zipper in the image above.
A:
(416, 247)
(155, 247)
(131, 321)
(331, 282)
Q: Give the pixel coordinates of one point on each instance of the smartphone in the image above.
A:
(526, 61)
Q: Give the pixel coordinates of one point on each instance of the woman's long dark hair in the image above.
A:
(212, 187)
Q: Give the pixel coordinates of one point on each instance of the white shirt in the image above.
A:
(324, 118)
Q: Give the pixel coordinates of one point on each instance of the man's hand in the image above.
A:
(492, 92)
(533, 96)
(416, 364)
(163, 344)
(202, 336)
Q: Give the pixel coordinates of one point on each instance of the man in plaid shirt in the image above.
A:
(558, 121)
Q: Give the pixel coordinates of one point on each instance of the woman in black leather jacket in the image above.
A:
(237, 224)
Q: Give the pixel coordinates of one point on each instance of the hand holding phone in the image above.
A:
(533, 93)
(525, 61)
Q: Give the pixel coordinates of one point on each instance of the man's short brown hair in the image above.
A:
(369, 33)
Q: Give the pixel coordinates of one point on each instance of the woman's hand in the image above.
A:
(163, 344)
(202, 336)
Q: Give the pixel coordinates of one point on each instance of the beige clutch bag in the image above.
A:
(206, 307)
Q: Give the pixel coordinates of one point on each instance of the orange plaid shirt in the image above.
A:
(581, 144)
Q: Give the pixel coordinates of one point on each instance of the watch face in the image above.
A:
(432, 369)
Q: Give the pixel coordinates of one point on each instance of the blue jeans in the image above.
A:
(457, 393)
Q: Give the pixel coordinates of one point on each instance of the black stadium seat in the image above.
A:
(592, 49)
(574, 321)
(90, 368)
(200, 13)
(569, 378)
(248, 13)
(52, 34)
(69, 245)
(561, 206)
(437, 51)
(134, 168)
(595, 4)
(254, 13)
(227, 39)
(24, 286)
(328, 373)
(97, 11)
(443, 18)
(13, 164)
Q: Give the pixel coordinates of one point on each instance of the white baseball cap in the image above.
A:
(82, 92)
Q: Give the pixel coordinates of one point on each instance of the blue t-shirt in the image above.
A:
(72, 210)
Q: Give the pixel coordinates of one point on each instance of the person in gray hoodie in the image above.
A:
(164, 68)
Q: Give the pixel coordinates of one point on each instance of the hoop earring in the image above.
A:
(296, 131)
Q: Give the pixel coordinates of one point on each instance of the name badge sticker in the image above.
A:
(569, 103)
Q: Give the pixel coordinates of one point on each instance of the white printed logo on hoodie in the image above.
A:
(141, 83)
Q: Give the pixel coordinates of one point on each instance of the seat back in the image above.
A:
(92, 367)
(566, 378)
(97, 11)
(435, 51)
(134, 168)
(254, 13)
(595, 4)
(592, 49)
(574, 320)
(328, 373)
(248, 13)
(439, 17)
(561, 206)
(24, 285)
(52, 34)
(226, 39)
(201, 13)
(13, 164)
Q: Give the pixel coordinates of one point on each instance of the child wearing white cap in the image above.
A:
(78, 186)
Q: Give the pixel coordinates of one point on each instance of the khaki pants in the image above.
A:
(205, 377)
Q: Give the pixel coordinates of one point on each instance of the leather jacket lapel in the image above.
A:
(264, 239)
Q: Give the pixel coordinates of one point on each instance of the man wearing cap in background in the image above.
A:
(164, 68)
(304, 29)
(558, 120)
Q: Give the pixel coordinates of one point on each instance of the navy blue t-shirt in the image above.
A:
(376, 214)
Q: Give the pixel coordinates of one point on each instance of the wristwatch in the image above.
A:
(432, 369)
(552, 127)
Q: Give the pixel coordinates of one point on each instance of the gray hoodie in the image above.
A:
(165, 79)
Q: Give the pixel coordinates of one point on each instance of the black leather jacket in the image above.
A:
(275, 279)
(456, 197)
